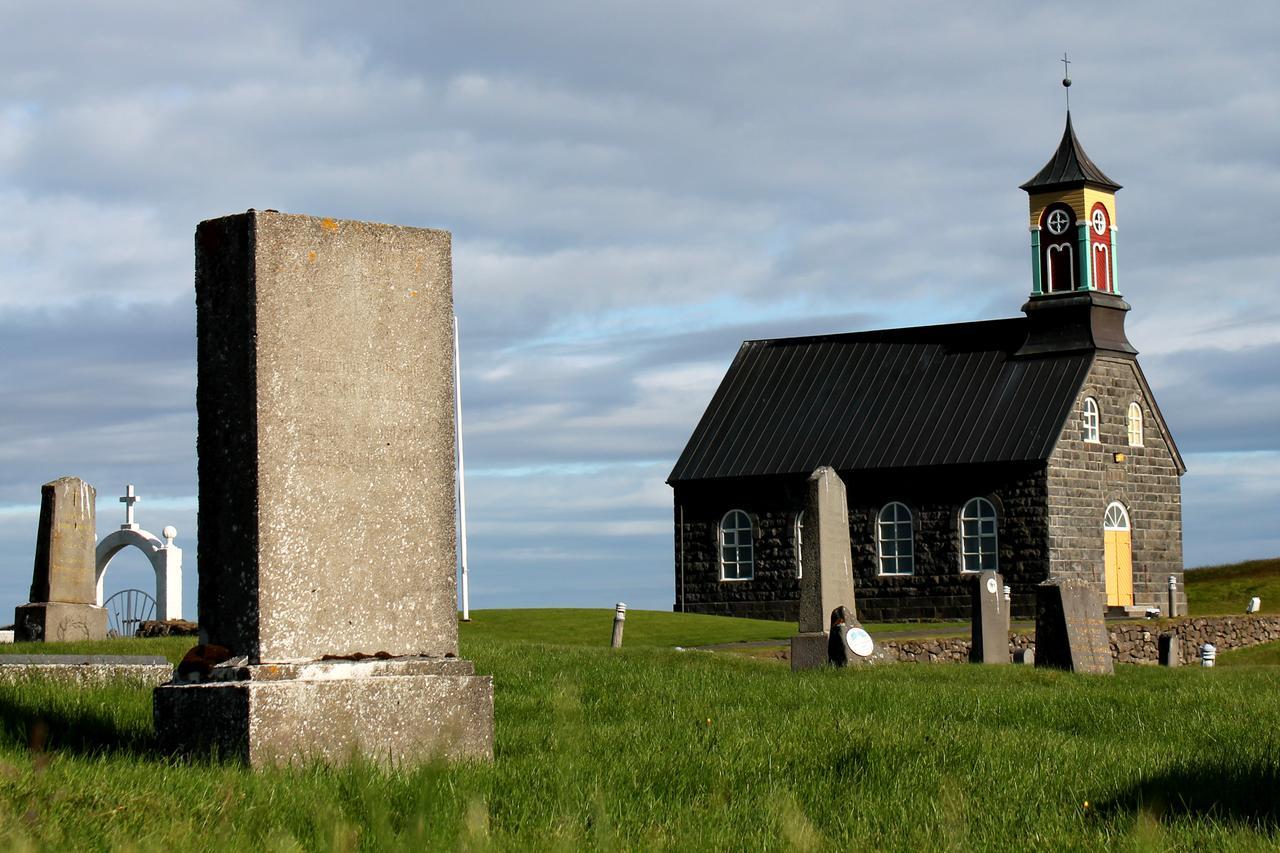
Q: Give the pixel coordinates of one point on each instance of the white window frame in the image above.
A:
(1116, 517)
(800, 545)
(732, 525)
(1048, 265)
(972, 511)
(894, 526)
(1135, 424)
(1091, 421)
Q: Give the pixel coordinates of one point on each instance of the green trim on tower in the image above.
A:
(1084, 256)
(1036, 287)
(1115, 267)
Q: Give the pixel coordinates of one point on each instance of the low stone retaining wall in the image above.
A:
(1136, 642)
(88, 675)
(1131, 642)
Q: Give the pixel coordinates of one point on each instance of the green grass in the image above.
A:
(1267, 654)
(172, 648)
(644, 628)
(1218, 590)
(651, 748)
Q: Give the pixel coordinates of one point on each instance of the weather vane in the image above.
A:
(1066, 78)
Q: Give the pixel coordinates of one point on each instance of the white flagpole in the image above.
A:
(462, 471)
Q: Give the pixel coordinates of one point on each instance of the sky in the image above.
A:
(633, 189)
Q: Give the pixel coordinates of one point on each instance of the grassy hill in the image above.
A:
(1217, 590)
(650, 748)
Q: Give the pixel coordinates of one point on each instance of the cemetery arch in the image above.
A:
(165, 559)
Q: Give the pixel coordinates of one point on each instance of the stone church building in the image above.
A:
(1031, 445)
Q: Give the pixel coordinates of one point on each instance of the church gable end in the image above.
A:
(1084, 478)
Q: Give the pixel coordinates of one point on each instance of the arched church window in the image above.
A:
(737, 560)
(1116, 517)
(1089, 420)
(894, 540)
(1135, 425)
(978, 541)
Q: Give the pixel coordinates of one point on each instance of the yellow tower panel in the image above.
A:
(1079, 199)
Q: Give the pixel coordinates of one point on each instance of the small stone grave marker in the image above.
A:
(990, 624)
(1170, 650)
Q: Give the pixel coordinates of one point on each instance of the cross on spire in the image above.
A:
(1066, 78)
(129, 500)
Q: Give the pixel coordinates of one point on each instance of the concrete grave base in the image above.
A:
(809, 651)
(56, 621)
(394, 712)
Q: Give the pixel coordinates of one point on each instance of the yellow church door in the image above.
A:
(1118, 556)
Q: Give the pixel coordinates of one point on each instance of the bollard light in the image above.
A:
(1173, 595)
(1208, 654)
(619, 619)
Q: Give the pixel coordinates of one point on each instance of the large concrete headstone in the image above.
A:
(326, 528)
(63, 584)
(827, 583)
(990, 638)
(1070, 632)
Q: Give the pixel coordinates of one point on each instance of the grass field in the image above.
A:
(1218, 590)
(653, 748)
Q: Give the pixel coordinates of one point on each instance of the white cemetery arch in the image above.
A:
(165, 557)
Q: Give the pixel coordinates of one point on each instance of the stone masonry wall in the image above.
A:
(1131, 642)
(1083, 479)
(937, 589)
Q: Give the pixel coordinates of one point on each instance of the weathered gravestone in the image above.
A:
(990, 623)
(1169, 650)
(1070, 633)
(827, 583)
(326, 527)
(63, 586)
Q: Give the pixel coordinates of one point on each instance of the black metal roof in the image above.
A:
(930, 395)
(1069, 166)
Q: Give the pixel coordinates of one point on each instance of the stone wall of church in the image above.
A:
(937, 589)
(1084, 478)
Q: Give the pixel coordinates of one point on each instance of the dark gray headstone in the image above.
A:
(827, 584)
(64, 589)
(1170, 650)
(1070, 633)
(990, 619)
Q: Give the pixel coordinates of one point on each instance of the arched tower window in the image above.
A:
(737, 559)
(978, 541)
(1135, 425)
(1089, 420)
(1100, 247)
(1057, 259)
(894, 542)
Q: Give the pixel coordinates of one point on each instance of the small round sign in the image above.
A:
(859, 642)
(991, 585)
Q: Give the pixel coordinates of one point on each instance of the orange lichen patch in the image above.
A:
(311, 256)
(413, 293)
(328, 224)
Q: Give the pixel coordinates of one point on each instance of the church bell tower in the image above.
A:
(1073, 223)
(1075, 302)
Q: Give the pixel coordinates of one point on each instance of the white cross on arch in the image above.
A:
(1058, 222)
(129, 500)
